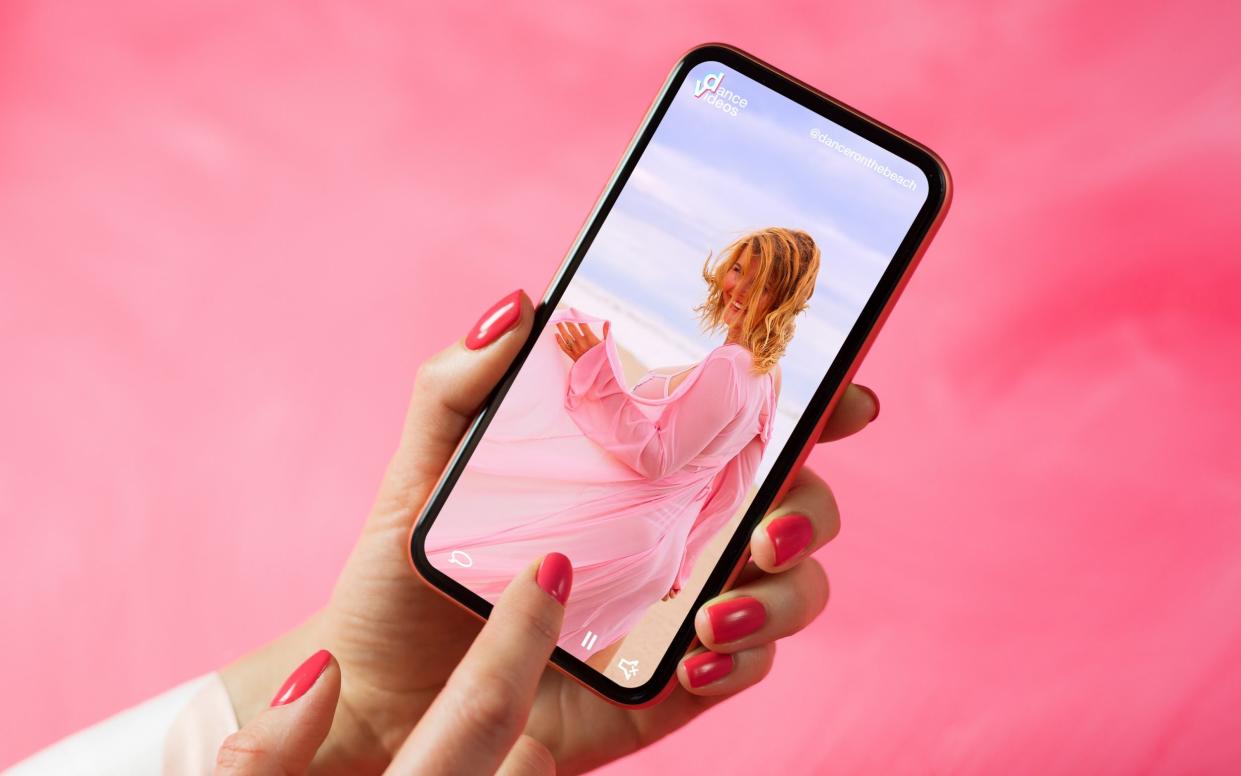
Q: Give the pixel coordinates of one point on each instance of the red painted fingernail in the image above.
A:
(790, 534)
(497, 320)
(303, 678)
(707, 667)
(735, 618)
(873, 397)
(555, 575)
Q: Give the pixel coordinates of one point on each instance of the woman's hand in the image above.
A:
(474, 726)
(398, 641)
(575, 339)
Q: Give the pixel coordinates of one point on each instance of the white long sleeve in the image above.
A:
(176, 733)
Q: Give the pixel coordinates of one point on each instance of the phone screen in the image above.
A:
(702, 317)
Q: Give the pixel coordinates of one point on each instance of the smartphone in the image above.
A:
(683, 361)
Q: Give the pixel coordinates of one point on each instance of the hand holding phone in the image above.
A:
(398, 640)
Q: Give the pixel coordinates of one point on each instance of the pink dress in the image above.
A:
(630, 485)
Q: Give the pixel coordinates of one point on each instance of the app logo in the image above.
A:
(708, 84)
(710, 89)
(629, 668)
(460, 558)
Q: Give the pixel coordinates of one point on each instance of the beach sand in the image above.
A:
(634, 369)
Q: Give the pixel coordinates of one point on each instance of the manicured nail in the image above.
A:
(303, 678)
(873, 397)
(790, 534)
(735, 618)
(707, 667)
(555, 575)
(499, 319)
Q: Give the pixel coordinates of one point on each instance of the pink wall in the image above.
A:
(225, 239)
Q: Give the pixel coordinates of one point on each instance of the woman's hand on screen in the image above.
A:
(577, 338)
(476, 722)
(397, 641)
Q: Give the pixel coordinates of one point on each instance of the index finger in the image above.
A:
(805, 519)
(482, 710)
(857, 408)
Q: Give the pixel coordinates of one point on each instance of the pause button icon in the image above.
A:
(588, 641)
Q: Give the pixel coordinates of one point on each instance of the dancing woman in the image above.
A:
(629, 484)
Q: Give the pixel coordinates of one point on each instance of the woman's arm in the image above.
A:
(606, 414)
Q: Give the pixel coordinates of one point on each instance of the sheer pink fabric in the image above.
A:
(629, 485)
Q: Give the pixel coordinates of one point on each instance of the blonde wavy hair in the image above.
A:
(787, 268)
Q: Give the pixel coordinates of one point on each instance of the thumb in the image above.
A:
(448, 391)
(283, 739)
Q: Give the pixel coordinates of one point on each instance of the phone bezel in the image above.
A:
(890, 283)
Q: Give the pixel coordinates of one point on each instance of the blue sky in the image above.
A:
(707, 178)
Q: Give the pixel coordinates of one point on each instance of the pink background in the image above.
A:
(229, 234)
